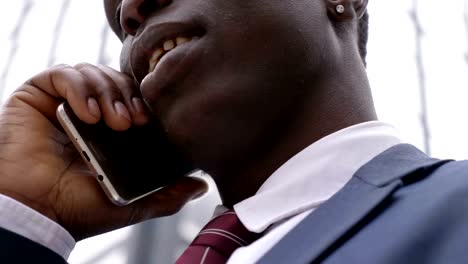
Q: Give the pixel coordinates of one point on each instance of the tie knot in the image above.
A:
(225, 233)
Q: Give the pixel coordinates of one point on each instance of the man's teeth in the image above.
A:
(167, 46)
(181, 40)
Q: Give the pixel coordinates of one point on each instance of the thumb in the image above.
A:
(168, 200)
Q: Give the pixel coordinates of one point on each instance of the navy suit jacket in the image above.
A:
(401, 207)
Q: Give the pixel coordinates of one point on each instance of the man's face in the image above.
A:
(240, 80)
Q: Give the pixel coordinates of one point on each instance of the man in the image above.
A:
(271, 98)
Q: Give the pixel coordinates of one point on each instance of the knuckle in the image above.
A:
(130, 83)
(82, 65)
(106, 90)
(59, 75)
(61, 66)
(105, 67)
(119, 90)
(125, 83)
(126, 91)
(60, 72)
(121, 80)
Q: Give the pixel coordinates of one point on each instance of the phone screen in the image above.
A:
(136, 161)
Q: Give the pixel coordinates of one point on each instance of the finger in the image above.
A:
(63, 81)
(110, 97)
(166, 201)
(131, 94)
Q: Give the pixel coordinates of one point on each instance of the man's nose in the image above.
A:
(135, 12)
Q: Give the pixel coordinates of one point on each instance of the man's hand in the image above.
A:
(40, 167)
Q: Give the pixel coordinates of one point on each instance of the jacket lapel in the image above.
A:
(371, 184)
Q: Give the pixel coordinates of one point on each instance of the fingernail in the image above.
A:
(93, 108)
(122, 110)
(138, 105)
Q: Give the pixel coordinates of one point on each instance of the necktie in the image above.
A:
(217, 240)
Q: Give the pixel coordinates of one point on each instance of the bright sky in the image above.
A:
(391, 67)
(392, 71)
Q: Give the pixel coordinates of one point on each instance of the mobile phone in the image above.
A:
(128, 164)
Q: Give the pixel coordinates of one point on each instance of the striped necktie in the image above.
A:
(217, 240)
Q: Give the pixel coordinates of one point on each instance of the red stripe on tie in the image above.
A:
(217, 240)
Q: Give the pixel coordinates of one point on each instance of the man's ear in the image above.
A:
(346, 10)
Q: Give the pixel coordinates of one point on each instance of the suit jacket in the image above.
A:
(401, 207)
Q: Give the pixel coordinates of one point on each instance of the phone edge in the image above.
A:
(81, 146)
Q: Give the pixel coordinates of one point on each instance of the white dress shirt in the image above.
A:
(22, 220)
(291, 193)
(307, 180)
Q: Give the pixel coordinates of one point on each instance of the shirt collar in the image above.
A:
(315, 174)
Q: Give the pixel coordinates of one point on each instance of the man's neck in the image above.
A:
(326, 107)
(237, 185)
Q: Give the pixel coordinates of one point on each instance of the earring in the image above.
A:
(340, 9)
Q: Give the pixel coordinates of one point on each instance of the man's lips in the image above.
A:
(172, 68)
(153, 37)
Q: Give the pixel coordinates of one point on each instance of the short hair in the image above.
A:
(363, 36)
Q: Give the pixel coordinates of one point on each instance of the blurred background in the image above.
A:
(417, 65)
